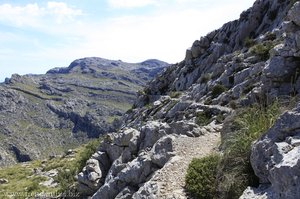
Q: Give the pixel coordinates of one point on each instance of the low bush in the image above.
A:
(205, 78)
(175, 94)
(201, 177)
(249, 42)
(262, 50)
(202, 118)
(217, 90)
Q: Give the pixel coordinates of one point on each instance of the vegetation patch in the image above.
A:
(23, 179)
(203, 118)
(262, 50)
(205, 78)
(175, 94)
(201, 177)
(234, 171)
(218, 90)
(249, 42)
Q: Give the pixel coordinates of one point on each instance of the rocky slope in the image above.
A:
(255, 59)
(43, 115)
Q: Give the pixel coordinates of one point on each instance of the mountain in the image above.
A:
(44, 115)
(227, 84)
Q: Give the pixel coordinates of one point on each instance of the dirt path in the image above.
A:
(171, 178)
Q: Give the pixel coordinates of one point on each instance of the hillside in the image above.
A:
(232, 85)
(44, 115)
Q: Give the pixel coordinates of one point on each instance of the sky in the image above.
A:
(36, 36)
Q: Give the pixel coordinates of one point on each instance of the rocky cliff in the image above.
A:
(255, 59)
(44, 115)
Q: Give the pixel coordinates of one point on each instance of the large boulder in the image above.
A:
(275, 158)
(161, 151)
(93, 174)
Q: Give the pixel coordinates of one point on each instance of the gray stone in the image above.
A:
(151, 132)
(123, 138)
(109, 190)
(179, 106)
(275, 157)
(262, 192)
(126, 193)
(161, 151)
(184, 128)
(93, 174)
(294, 15)
(3, 181)
(137, 170)
(113, 151)
(147, 191)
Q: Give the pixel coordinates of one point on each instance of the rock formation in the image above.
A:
(255, 59)
(275, 159)
(43, 115)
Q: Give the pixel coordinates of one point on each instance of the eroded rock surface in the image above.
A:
(275, 159)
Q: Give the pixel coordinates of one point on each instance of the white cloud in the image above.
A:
(62, 11)
(34, 15)
(18, 15)
(130, 3)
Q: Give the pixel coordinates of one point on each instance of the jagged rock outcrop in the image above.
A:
(43, 115)
(135, 154)
(275, 159)
(235, 56)
(254, 59)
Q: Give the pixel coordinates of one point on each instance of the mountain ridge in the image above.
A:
(81, 101)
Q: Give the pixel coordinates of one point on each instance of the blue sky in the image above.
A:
(36, 36)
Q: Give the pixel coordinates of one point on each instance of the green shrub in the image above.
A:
(232, 104)
(175, 94)
(201, 177)
(270, 36)
(66, 178)
(217, 90)
(262, 50)
(67, 172)
(202, 118)
(234, 171)
(87, 152)
(33, 187)
(208, 101)
(205, 78)
(249, 42)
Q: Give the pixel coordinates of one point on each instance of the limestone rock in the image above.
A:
(161, 151)
(294, 13)
(3, 181)
(263, 192)
(126, 193)
(275, 157)
(93, 174)
(153, 131)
